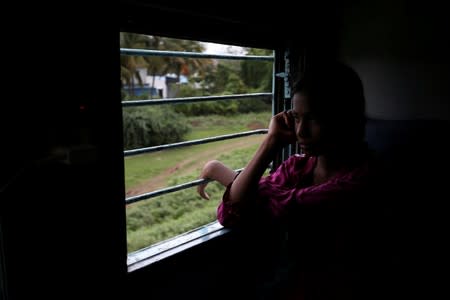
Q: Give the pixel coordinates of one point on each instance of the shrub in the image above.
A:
(144, 127)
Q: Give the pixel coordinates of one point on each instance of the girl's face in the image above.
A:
(307, 127)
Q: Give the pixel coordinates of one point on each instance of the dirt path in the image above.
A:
(192, 163)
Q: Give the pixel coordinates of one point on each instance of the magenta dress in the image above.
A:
(291, 185)
(323, 219)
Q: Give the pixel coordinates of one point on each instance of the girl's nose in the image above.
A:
(301, 129)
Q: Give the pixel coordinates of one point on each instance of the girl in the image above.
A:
(318, 194)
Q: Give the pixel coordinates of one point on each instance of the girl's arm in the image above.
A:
(281, 132)
(215, 170)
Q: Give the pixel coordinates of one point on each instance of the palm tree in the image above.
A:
(159, 65)
(182, 65)
(156, 64)
(129, 64)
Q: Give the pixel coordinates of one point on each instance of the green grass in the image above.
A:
(176, 219)
(205, 126)
(141, 167)
(156, 219)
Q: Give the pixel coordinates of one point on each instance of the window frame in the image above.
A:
(167, 248)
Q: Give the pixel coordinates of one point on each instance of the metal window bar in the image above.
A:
(174, 188)
(145, 52)
(127, 51)
(192, 99)
(194, 142)
(171, 189)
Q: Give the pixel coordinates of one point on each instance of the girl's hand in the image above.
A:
(282, 128)
(206, 173)
(215, 170)
(201, 191)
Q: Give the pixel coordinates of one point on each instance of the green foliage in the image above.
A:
(224, 79)
(253, 105)
(225, 107)
(257, 75)
(143, 96)
(222, 107)
(230, 77)
(143, 127)
(235, 85)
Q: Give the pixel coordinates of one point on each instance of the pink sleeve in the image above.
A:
(278, 192)
(229, 214)
(339, 190)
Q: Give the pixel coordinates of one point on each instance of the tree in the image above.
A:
(161, 65)
(257, 75)
(129, 64)
(182, 65)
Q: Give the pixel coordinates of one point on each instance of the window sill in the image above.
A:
(164, 249)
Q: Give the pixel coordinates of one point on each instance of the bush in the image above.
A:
(234, 85)
(223, 107)
(144, 127)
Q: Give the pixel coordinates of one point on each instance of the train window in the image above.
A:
(185, 102)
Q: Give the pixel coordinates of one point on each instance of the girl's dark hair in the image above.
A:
(336, 97)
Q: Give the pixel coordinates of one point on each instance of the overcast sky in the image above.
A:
(214, 48)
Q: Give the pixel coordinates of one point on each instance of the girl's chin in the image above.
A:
(310, 151)
(306, 151)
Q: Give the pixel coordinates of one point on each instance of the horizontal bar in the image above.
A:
(192, 99)
(171, 189)
(193, 142)
(145, 52)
